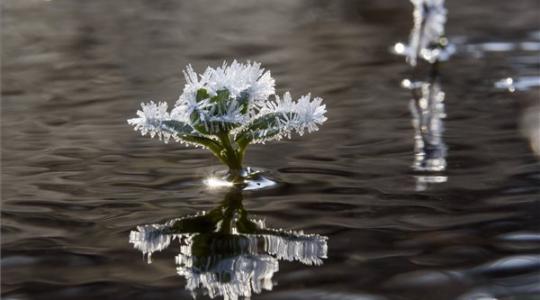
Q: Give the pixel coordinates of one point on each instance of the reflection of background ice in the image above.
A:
(427, 41)
(427, 109)
(422, 182)
(522, 83)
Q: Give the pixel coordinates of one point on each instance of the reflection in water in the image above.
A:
(224, 253)
(427, 39)
(481, 49)
(427, 109)
(522, 83)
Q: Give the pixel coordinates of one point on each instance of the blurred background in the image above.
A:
(76, 179)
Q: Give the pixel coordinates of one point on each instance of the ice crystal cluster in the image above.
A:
(427, 39)
(226, 108)
(234, 264)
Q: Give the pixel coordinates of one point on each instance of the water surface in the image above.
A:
(77, 180)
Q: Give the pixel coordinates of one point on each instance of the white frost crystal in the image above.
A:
(150, 120)
(234, 99)
(310, 114)
(292, 116)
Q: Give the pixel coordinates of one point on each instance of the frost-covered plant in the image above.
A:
(225, 109)
(427, 39)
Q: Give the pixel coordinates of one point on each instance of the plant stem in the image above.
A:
(233, 157)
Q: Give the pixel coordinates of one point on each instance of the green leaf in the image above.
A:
(196, 121)
(265, 122)
(221, 96)
(243, 101)
(201, 95)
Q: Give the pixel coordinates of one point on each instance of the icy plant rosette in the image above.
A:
(227, 108)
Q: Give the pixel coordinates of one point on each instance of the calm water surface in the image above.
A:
(77, 180)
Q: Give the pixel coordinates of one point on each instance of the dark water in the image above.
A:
(76, 179)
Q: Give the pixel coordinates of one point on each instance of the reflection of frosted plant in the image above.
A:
(149, 239)
(230, 277)
(427, 39)
(227, 108)
(236, 265)
(224, 253)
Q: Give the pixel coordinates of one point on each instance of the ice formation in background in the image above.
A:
(427, 39)
(223, 253)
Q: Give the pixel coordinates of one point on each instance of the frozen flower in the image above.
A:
(224, 109)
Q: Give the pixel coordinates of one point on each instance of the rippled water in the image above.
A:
(77, 181)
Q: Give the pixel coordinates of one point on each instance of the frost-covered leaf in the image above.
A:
(154, 120)
(177, 127)
(150, 118)
(281, 117)
(208, 124)
(265, 127)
